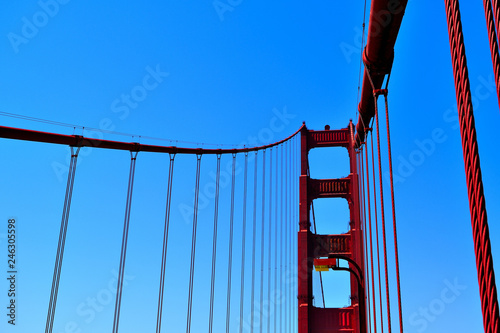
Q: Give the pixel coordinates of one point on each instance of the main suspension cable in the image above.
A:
(492, 36)
(165, 243)
(477, 205)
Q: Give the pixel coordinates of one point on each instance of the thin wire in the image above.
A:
(361, 56)
(123, 255)
(62, 241)
(165, 243)
(193, 243)
(243, 237)
(254, 234)
(230, 260)
(214, 247)
(99, 130)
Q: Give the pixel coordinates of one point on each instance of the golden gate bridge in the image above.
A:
(283, 225)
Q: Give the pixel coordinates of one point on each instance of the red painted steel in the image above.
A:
(347, 247)
(305, 294)
(80, 141)
(327, 245)
(493, 20)
(477, 204)
(328, 138)
(331, 320)
(329, 188)
(384, 23)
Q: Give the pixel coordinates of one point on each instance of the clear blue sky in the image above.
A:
(247, 75)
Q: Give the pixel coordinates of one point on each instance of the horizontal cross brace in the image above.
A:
(329, 138)
(332, 320)
(326, 245)
(329, 188)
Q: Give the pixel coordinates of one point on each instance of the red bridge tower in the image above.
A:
(333, 248)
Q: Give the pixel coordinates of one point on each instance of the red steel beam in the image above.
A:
(80, 141)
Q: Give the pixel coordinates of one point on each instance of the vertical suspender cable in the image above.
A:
(477, 205)
(243, 238)
(270, 238)
(123, 255)
(254, 234)
(377, 237)
(214, 246)
(382, 215)
(281, 244)
(165, 243)
(285, 235)
(365, 235)
(276, 248)
(492, 35)
(371, 236)
(193, 242)
(230, 260)
(393, 205)
(287, 248)
(261, 304)
(290, 236)
(295, 223)
(62, 241)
